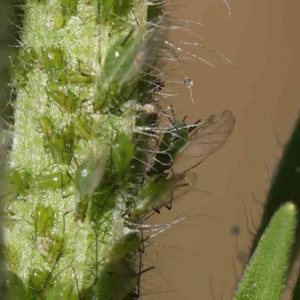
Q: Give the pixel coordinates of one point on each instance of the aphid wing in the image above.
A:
(209, 137)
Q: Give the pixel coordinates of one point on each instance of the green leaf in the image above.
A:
(266, 273)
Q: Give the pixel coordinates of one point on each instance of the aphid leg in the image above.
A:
(51, 272)
(194, 126)
(169, 207)
(77, 285)
(134, 15)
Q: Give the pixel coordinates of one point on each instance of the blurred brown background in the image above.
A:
(200, 258)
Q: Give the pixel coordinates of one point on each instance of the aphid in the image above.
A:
(55, 64)
(19, 182)
(156, 192)
(127, 245)
(183, 143)
(116, 280)
(44, 217)
(208, 137)
(171, 144)
(60, 142)
(55, 180)
(88, 177)
(15, 285)
(68, 101)
(121, 155)
(120, 67)
(112, 10)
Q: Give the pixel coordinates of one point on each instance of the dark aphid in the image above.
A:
(182, 143)
(171, 144)
(208, 137)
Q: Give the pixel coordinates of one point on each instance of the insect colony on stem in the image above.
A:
(133, 171)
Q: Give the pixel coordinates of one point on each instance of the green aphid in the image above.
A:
(68, 101)
(80, 78)
(15, 286)
(105, 8)
(127, 245)
(155, 193)
(84, 127)
(39, 280)
(122, 8)
(55, 64)
(121, 155)
(69, 7)
(89, 175)
(113, 10)
(171, 144)
(18, 182)
(59, 18)
(44, 217)
(60, 143)
(87, 179)
(103, 201)
(57, 180)
(122, 65)
(116, 280)
(64, 291)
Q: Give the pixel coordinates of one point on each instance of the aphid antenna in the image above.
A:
(205, 47)
(192, 127)
(134, 15)
(189, 55)
(76, 283)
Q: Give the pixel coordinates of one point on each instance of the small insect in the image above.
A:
(118, 273)
(171, 144)
(127, 245)
(61, 142)
(206, 138)
(155, 193)
(87, 179)
(18, 182)
(192, 144)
